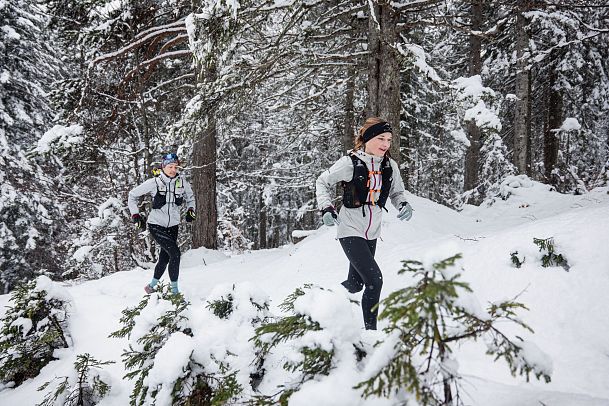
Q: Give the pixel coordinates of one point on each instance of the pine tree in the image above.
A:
(550, 256)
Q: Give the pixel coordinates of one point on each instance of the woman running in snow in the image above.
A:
(168, 191)
(369, 178)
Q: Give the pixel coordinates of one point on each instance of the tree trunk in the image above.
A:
(348, 124)
(383, 69)
(204, 158)
(472, 156)
(522, 119)
(262, 222)
(550, 136)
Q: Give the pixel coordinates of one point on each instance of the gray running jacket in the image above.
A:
(353, 223)
(169, 214)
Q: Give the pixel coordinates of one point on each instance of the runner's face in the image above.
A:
(171, 169)
(379, 145)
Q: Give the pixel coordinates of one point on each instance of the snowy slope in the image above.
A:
(569, 311)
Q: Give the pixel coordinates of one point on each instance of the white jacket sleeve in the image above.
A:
(341, 171)
(397, 194)
(190, 196)
(148, 187)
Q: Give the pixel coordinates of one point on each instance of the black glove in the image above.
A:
(190, 215)
(139, 221)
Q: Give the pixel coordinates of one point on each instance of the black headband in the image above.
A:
(376, 129)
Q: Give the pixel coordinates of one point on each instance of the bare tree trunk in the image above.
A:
(262, 222)
(348, 125)
(472, 156)
(522, 118)
(204, 178)
(550, 136)
(383, 69)
(349, 122)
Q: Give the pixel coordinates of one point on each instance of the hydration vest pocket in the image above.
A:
(179, 200)
(158, 201)
(351, 198)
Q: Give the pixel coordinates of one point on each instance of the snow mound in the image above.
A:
(201, 256)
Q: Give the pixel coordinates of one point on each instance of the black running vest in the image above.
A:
(356, 191)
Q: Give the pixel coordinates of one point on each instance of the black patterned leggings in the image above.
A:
(167, 238)
(364, 271)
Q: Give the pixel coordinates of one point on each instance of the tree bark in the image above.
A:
(348, 124)
(262, 222)
(383, 69)
(550, 136)
(204, 178)
(522, 119)
(472, 156)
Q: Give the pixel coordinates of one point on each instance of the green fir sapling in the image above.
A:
(314, 359)
(35, 325)
(517, 259)
(550, 256)
(150, 335)
(86, 386)
(427, 319)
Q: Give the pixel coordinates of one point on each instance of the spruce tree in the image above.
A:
(35, 324)
(87, 386)
(195, 384)
(30, 216)
(426, 320)
(315, 359)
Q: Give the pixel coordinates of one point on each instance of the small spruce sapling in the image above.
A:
(84, 387)
(315, 361)
(550, 257)
(194, 386)
(425, 320)
(517, 259)
(140, 360)
(34, 326)
(223, 307)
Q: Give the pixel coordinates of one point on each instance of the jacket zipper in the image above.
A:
(167, 197)
(371, 196)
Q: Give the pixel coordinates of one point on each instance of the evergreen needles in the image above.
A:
(426, 319)
(313, 361)
(85, 387)
(196, 384)
(550, 257)
(34, 326)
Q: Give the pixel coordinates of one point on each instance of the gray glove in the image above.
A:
(405, 211)
(329, 216)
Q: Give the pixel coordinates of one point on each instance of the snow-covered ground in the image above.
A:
(569, 311)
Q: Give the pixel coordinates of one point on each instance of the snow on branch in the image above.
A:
(172, 54)
(417, 53)
(176, 24)
(138, 43)
(408, 5)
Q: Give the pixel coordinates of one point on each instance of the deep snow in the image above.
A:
(568, 310)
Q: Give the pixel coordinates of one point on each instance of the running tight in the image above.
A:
(363, 272)
(167, 238)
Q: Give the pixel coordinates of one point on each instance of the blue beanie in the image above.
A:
(171, 158)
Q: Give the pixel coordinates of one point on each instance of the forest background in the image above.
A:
(258, 97)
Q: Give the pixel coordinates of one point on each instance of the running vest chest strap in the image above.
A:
(160, 198)
(356, 191)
